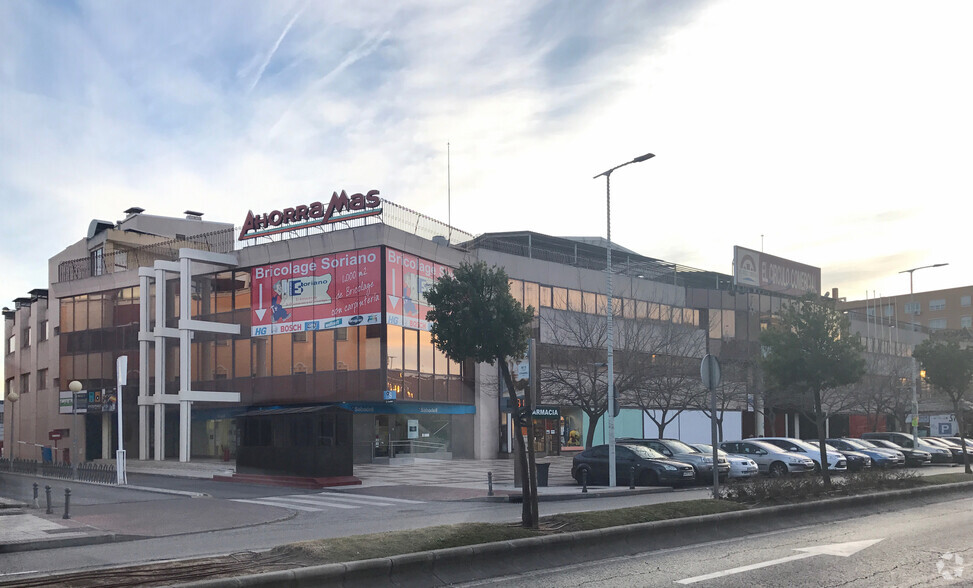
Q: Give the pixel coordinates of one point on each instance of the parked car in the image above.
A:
(938, 454)
(858, 461)
(881, 458)
(954, 448)
(959, 441)
(835, 461)
(913, 457)
(651, 467)
(740, 467)
(675, 449)
(770, 459)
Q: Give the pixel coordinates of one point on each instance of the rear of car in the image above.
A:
(740, 466)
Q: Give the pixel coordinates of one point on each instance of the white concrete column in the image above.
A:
(144, 329)
(797, 425)
(185, 347)
(160, 365)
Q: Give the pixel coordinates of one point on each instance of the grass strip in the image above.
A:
(444, 536)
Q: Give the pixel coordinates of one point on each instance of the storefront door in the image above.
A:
(381, 447)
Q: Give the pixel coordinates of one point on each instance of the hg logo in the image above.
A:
(954, 572)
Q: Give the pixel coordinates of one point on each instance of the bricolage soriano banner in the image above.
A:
(407, 278)
(317, 293)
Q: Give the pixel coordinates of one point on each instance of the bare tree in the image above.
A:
(884, 390)
(731, 394)
(671, 379)
(572, 359)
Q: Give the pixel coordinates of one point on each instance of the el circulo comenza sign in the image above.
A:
(341, 208)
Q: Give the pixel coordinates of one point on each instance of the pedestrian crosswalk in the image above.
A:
(327, 500)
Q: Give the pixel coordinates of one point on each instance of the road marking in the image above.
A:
(839, 549)
(327, 500)
(282, 504)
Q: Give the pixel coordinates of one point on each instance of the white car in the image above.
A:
(740, 467)
(836, 461)
(769, 458)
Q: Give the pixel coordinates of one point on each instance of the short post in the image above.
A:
(584, 481)
(631, 478)
(47, 491)
(36, 503)
(489, 483)
(67, 503)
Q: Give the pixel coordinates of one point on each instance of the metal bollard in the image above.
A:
(584, 481)
(36, 503)
(47, 491)
(67, 503)
(631, 478)
(489, 483)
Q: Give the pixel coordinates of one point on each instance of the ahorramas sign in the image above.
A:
(312, 215)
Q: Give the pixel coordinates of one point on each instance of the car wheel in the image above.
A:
(579, 475)
(778, 469)
(649, 478)
(817, 468)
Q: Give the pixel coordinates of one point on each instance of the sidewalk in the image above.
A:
(25, 528)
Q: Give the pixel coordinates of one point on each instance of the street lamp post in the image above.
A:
(611, 364)
(74, 386)
(12, 397)
(915, 365)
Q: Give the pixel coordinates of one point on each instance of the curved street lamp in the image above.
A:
(915, 365)
(611, 361)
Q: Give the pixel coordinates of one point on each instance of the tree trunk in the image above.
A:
(525, 461)
(589, 435)
(962, 435)
(819, 418)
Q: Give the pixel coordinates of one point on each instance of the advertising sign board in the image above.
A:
(319, 293)
(407, 278)
(776, 274)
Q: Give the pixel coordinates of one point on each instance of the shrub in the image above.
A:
(790, 489)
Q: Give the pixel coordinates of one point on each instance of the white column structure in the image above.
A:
(184, 333)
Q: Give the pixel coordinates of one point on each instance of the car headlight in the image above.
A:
(796, 460)
(669, 467)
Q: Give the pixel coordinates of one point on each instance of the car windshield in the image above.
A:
(768, 447)
(866, 443)
(645, 452)
(680, 447)
(708, 449)
(856, 444)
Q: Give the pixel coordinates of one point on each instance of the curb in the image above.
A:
(475, 562)
(34, 545)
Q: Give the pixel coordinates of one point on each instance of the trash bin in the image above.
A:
(541, 471)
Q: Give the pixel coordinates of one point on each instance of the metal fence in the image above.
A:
(87, 472)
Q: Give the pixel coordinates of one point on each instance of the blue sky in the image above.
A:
(836, 134)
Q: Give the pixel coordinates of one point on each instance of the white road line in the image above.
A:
(371, 499)
(281, 504)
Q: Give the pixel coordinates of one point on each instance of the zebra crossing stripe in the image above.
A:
(368, 499)
(282, 504)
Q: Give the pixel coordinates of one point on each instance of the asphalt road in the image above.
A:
(929, 545)
(285, 524)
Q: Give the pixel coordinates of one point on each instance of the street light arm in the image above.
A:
(638, 159)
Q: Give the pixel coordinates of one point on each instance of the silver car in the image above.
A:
(770, 459)
(740, 467)
(836, 461)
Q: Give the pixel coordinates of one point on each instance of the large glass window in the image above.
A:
(517, 290)
(241, 363)
(347, 348)
(559, 298)
(532, 296)
(426, 353)
(371, 347)
(282, 355)
(394, 347)
(574, 301)
(324, 351)
(545, 296)
(261, 356)
(303, 353)
(410, 351)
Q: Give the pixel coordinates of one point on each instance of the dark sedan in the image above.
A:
(913, 457)
(651, 468)
(881, 458)
(955, 448)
